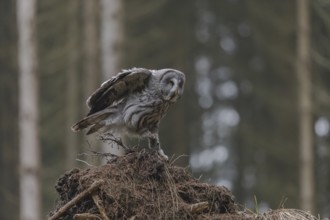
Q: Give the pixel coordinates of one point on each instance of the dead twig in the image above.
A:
(174, 159)
(111, 137)
(86, 216)
(198, 207)
(98, 202)
(85, 162)
(107, 156)
(76, 199)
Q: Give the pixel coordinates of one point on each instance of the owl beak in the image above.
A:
(175, 92)
(175, 96)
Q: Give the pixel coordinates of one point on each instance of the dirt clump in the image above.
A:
(139, 185)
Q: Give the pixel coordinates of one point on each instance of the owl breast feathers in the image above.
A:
(133, 101)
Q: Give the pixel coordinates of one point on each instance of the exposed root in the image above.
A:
(98, 202)
(198, 207)
(110, 137)
(86, 216)
(76, 199)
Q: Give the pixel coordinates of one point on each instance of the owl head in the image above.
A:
(171, 83)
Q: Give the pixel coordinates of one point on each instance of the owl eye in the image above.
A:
(170, 82)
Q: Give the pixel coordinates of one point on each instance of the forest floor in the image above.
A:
(140, 185)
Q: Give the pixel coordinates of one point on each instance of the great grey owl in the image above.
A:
(134, 101)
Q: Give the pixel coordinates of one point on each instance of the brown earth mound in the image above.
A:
(140, 185)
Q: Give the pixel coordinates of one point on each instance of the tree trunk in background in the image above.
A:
(72, 84)
(91, 63)
(110, 39)
(90, 47)
(267, 118)
(29, 154)
(110, 36)
(304, 77)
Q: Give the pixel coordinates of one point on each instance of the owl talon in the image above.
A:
(162, 154)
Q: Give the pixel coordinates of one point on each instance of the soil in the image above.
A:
(140, 185)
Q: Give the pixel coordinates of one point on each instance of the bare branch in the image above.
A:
(86, 216)
(198, 207)
(98, 202)
(76, 199)
(85, 162)
(111, 137)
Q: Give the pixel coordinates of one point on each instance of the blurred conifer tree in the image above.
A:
(9, 198)
(160, 34)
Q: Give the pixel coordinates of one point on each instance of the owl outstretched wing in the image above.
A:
(126, 82)
(112, 90)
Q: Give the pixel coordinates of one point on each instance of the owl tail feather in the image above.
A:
(95, 128)
(94, 120)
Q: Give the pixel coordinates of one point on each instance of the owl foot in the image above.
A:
(162, 154)
(154, 144)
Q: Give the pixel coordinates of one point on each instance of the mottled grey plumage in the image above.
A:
(134, 101)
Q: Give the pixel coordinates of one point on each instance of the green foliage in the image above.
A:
(59, 31)
(261, 64)
(321, 64)
(272, 129)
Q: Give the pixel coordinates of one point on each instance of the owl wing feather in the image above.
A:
(117, 87)
(111, 91)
